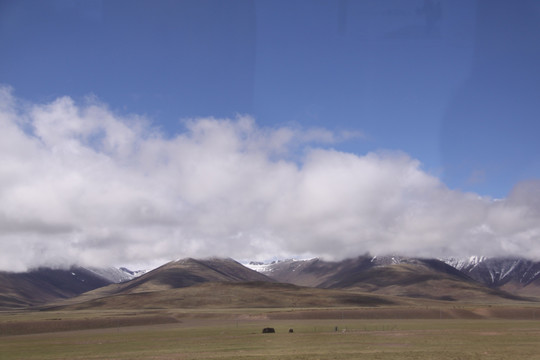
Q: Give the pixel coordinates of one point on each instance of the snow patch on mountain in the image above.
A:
(117, 275)
(269, 267)
(497, 271)
(464, 264)
(389, 260)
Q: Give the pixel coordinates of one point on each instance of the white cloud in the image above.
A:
(81, 184)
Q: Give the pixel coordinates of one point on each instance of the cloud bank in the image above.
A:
(80, 184)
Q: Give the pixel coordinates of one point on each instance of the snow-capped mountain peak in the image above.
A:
(464, 263)
(117, 275)
(269, 267)
(497, 271)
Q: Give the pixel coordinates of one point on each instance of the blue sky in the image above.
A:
(461, 96)
(454, 87)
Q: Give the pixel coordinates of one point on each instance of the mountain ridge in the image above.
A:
(514, 274)
(437, 279)
(508, 276)
(42, 285)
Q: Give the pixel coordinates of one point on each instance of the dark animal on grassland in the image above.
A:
(268, 330)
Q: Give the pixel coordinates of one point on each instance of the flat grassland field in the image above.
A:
(229, 335)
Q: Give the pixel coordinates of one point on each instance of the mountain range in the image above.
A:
(515, 275)
(218, 282)
(42, 285)
(390, 275)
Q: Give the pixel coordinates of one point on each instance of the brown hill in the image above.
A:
(189, 272)
(228, 295)
(189, 283)
(517, 287)
(39, 286)
(180, 274)
(212, 283)
(417, 278)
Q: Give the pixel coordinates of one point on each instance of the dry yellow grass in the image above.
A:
(240, 337)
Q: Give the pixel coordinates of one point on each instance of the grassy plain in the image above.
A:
(444, 333)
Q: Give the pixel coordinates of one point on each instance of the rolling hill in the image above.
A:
(409, 277)
(215, 282)
(225, 295)
(188, 272)
(39, 286)
(184, 273)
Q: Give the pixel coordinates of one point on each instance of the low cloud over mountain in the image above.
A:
(81, 184)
